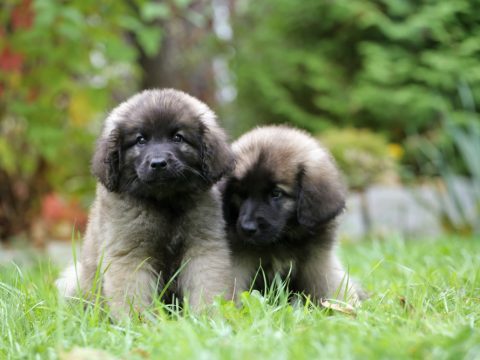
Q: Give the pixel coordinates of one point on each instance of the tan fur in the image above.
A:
(127, 238)
(312, 262)
(287, 148)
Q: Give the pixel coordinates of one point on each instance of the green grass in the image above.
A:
(424, 304)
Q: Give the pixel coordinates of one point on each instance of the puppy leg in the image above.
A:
(322, 276)
(206, 273)
(244, 269)
(128, 284)
(68, 284)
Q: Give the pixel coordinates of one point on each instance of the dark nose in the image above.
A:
(249, 227)
(159, 163)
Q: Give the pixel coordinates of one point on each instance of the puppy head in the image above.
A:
(284, 182)
(257, 206)
(161, 143)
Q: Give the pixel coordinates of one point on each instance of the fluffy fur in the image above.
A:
(156, 209)
(281, 206)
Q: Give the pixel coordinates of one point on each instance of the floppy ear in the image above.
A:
(106, 160)
(217, 157)
(230, 211)
(321, 198)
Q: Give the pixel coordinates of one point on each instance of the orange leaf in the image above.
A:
(339, 307)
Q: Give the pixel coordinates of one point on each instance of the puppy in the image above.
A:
(281, 206)
(156, 211)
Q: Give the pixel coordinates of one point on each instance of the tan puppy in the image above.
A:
(156, 209)
(281, 205)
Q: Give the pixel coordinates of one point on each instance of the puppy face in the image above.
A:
(284, 184)
(161, 143)
(259, 206)
(161, 156)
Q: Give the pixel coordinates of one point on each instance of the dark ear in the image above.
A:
(217, 157)
(321, 197)
(106, 160)
(230, 211)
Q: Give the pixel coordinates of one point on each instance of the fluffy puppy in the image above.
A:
(156, 209)
(281, 205)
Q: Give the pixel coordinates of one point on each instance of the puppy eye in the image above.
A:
(178, 138)
(276, 193)
(141, 140)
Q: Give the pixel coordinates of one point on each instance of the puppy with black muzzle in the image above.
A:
(156, 209)
(281, 205)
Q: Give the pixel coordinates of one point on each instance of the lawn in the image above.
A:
(424, 304)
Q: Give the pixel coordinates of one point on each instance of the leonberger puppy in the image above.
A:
(281, 205)
(157, 217)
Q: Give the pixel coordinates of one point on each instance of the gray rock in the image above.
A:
(413, 212)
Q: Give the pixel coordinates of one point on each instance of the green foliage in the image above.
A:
(451, 154)
(72, 59)
(61, 67)
(363, 156)
(390, 65)
(423, 304)
(466, 143)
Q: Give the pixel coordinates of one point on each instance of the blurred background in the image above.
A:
(390, 86)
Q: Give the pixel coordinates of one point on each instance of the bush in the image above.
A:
(60, 66)
(387, 65)
(363, 156)
(458, 213)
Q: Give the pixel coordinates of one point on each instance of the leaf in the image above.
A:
(73, 15)
(7, 157)
(153, 11)
(405, 304)
(117, 49)
(80, 109)
(130, 23)
(150, 40)
(182, 3)
(339, 307)
(78, 353)
(69, 31)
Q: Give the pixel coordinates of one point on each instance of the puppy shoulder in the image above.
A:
(204, 220)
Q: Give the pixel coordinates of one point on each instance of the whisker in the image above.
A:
(129, 181)
(196, 172)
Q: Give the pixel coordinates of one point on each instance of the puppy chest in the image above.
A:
(275, 266)
(145, 232)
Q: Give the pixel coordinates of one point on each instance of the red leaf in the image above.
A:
(10, 61)
(22, 15)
